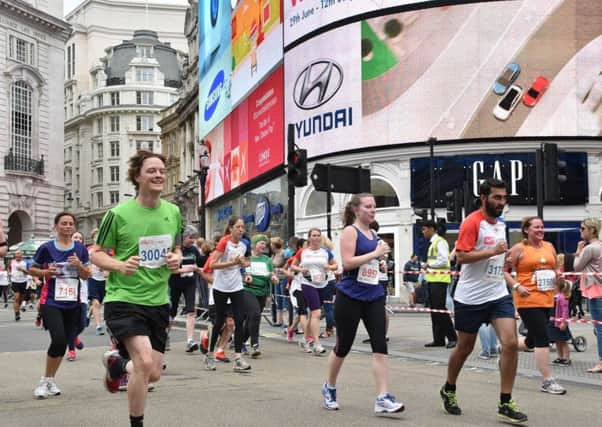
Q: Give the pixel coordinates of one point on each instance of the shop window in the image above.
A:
(316, 204)
(384, 194)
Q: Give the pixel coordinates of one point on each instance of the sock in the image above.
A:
(136, 421)
(505, 397)
(381, 396)
(449, 387)
(330, 387)
(117, 369)
(189, 340)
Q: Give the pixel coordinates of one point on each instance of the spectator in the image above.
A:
(411, 273)
(3, 242)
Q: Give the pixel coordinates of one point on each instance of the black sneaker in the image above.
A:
(510, 412)
(450, 402)
(17, 316)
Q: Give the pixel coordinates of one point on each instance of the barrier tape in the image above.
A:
(457, 273)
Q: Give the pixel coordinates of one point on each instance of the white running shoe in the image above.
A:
(305, 346)
(210, 363)
(319, 351)
(330, 398)
(552, 387)
(53, 390)
(387, 404)
(240, 365)
(41, 391)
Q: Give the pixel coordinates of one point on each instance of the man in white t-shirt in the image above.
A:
(18, 275)
(482, 297)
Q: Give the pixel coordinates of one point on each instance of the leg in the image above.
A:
(506, 333)
(17, 302)
(221, 299)
(347, 317)
(459, 354)
(253, 317)
(441, 321)
(374, 316)
(189, 297)
(237, 299)
(96, 312)
(595, 307)
(226, 333)
(57, 324)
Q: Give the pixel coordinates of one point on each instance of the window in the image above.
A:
(77, 183)
(114, 197)
(316, 204)
(145, 74)
(72, 59)
(99, 102)
(173, 98)
(114, 148)
(68, 73)
(144, 51)
(99, 126)
(99, 175)
(21, 120)
(114, 173)
(21, 50)
(115, 124)
(114, 98)
(99, 201)
(99, 151)
(144, 145)
(144, 98)
(384, 195)
(144, 123)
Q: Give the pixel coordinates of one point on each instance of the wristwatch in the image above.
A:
(5, 243)
(515, 286)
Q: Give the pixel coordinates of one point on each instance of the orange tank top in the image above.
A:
(536, 271)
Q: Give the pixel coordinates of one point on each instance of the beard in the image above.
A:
(492, 210)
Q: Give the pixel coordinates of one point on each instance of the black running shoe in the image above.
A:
(510, 412)
(450, 402)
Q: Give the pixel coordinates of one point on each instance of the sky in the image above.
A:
(69, 5)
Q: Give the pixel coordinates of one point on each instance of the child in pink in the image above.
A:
(559, 329)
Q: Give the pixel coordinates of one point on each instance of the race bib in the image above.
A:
(65, 289)
(188, 271)
(153, 250)
(258, 269)
(368, 273)
(317, 275)
(546, 279)
(495, 268)
(64, 269)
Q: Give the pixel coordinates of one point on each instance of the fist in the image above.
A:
(130, 266)
(173, 261)
(500, 248)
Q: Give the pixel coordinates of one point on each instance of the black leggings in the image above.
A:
(347, 314)
(61, 324)
(221, 300)
(4, 293)
(536, 321)
(254, 306)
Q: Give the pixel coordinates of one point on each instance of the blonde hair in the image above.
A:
(327, 243)
(564, 286)
(277, 242)
(593, 224)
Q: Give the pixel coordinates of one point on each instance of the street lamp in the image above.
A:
(204, 162)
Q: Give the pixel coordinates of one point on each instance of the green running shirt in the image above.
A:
(131, 229)
(260, 271)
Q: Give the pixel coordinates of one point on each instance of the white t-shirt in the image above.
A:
(16, 275)
(481, 281)
(3, 278)
(316, 262)
(229, 279)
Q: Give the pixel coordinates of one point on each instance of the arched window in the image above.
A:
(21, 120)
(316, 204)
(384, 194)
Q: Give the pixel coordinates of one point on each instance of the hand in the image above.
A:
(173, 261)
(382, 248)
(580, 247)
(522, 291)
(239, 260)
(74, 260)
(51, 270)
(562, 326)
(275, 279)
(248, 278)
(130, 266)
(500, 248)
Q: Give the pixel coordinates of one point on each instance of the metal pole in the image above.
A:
(539, 181)
(203, 178)
(290, 142)
(432, 175)
(328, 207)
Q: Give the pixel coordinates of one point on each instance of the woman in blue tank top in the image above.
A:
(360, 296)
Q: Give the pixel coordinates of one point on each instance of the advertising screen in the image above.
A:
(445, 72)
(304, 16)
(250, 141)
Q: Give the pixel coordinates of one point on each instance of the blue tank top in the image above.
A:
(349, 284)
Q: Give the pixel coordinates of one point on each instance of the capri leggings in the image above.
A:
(536, 321)
(61, 324)
(221, 309)
(347, 314)
(254, 306)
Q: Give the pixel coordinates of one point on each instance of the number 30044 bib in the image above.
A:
(153, 250)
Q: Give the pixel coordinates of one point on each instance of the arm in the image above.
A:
(332, 265)
(38, 271)
(475, 256)
(442, 256)
(104, 261)
(582, 257)
(348, 242)
(215, 264)
(296, 267)
(515, 255)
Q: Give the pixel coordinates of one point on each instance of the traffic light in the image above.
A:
(297, 167)
(554, 172)
(454, 202)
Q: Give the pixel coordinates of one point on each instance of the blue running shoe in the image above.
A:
(330, 398)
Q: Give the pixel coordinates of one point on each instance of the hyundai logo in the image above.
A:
(317, 83)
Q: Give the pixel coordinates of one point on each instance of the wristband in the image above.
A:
(5, 243)
(516, 286)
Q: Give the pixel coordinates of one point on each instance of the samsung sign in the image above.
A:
(214, 94)
(517, 170)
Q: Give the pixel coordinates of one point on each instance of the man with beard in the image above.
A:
(482, 297)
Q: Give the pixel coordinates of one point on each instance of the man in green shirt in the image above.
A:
(145, 235)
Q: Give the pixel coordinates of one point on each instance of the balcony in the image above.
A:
(23, 164)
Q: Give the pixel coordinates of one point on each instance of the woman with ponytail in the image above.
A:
(360, 296)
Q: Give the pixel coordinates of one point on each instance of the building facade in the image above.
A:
(116, 83)
(32, 40)
(179, 129)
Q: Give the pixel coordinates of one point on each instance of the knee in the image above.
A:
(510, 345)
(57, 348)
(145, 366)
(95, 303)
(155, 374)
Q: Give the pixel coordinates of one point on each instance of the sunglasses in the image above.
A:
(583, 228)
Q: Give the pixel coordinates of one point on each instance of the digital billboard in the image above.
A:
(249, 142)
(526, 68)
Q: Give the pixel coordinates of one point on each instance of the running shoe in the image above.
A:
(319, 350)
(123, 383)
(305, 346)
(386, 404)
(290, 334)
(210, 363)
(330, 398)
(484, 355)
(511, 413)
(17, 316)
(53, 389)
(100, 330)
(79, 344)
(552, 387)
(108, 359)
(5, 305)
(23, 309)
(240, 365)
(41, 391)
(38, 322)
(204, 343)
(221, 356)
(191, 346)
(256, 352)
(71, 355)
(561, 362)
(150, 387)
(450, 402)
(31, 306)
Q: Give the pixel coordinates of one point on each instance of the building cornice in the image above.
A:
(126, 5)
(55, 26)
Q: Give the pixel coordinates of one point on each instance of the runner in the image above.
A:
(96, 290)
(257, 287)
(145, 234)
(4, 283)
(226, 263)
(482, 297)
(359, 296)
(183, 281)
(534, 261)
(73, 340)
(62, 263)
(314, 262)
(19, 269)
(297, 301)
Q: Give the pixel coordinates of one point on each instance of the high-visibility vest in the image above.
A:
(431, 257)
